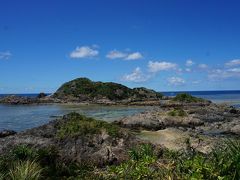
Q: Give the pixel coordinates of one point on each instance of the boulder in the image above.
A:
(235, 129)
(6, 133)
(41, 95)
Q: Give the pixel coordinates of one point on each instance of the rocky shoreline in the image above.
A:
(197, 119)
(182, 126)
(100, 147)
(188, 126)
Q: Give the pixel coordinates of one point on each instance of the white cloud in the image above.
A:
(203, 66)
(218, 74)
(234, 70)
(196, 82)
(84, 52)
(234, 62)
(134, 56)
(136, 76)
(116, 54)
(176, 81)
(5, 55)
(189, 63)
(160, 66)
(124, 55)
(188, 70)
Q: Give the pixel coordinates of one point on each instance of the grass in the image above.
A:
(138, 167)
(222, 164)
(177, 112)
(79, 125)
(144, 162)
(26, 163)
(25, 170)
(184, 97)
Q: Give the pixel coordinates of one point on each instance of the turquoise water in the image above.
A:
(23, 117)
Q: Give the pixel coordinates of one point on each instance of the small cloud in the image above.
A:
(188, 70)
(234, 70)
(203, 66)
(218, 74)
(116, 55)
(235, 62)
(31, 88)
(136, 76)
(176, 81)
(134, 56)
(189, 63)
(161, 66)
(5, 55)
(196, 82)
(84, 52)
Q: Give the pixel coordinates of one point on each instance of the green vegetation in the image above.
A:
(78, 125)
(222, 163)
(28, 170)
(184, 97)
(90, 90)
(26, 163)
(144, 163)
(138, 167)
(177, 112)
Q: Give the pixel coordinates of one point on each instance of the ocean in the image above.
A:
(23, 117)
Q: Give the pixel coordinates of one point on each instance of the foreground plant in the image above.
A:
(25, 170)
(222, 164)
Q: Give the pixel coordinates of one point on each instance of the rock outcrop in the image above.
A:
(6, 133)
(212, 119)
(94, 141)
(20, 100)
(85, 90)
(13, 99)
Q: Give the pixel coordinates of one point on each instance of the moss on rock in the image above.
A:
(78, 125)
(184, 97)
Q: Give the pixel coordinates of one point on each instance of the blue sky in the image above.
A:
(165, 45)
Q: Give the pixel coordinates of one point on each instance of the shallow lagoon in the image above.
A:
(23, 117)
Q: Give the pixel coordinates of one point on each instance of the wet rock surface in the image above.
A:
(202, 119)
(6, 133)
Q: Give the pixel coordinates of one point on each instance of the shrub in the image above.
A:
(89, 90)
(138, 167)
(78, 125)
(177, 112)
(22, 152)
(222, 163)
(184, 97)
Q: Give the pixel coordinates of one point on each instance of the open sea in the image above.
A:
(21, 117)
